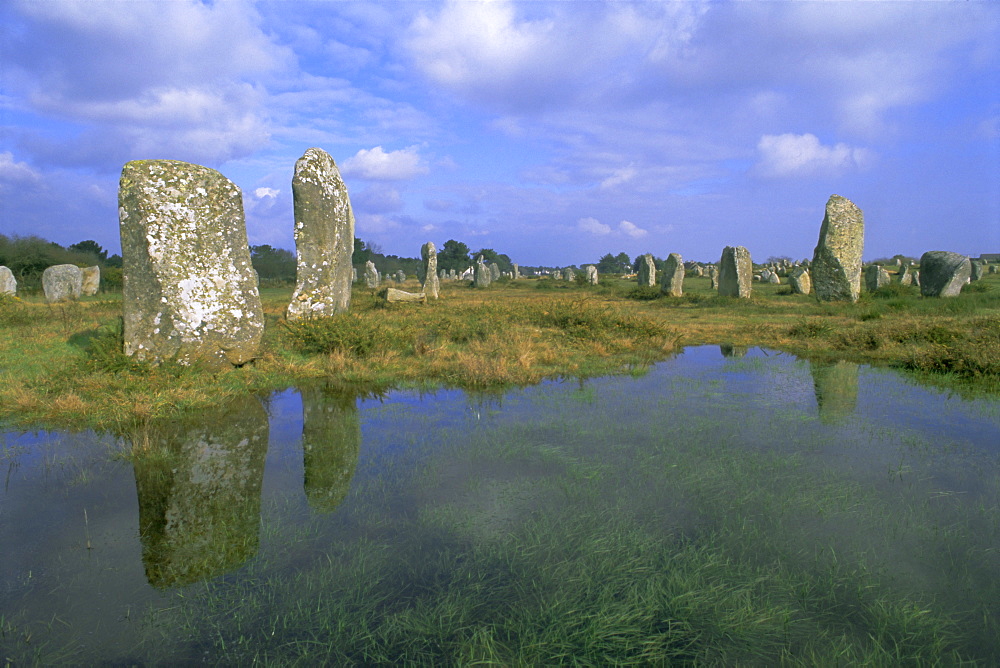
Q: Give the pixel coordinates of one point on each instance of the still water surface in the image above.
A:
(135, 548)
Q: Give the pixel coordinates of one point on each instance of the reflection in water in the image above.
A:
(836, 386)
(729, 350)
(331, 444)
(199, 489)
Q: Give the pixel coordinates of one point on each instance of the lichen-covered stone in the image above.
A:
(392, 295)
(494, 272)
(591, 274)
(875, 277)
(8, 284)
(735, 272)
(977, 270)
(646, 273)
(905, 276)
(836, 265)
(673, 276)
(432, 283)
(331, 445)
(62, 282)
(483, 276)
(517, 271)
(800, 281)
(190, 293)
(943, 274)
(371, 275)
(569, 275)
(713, 276)
(324, 238)
(91, 281)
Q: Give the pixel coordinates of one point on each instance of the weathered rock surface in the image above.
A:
(62, 282)
(905, 276)
(735, 272)
(8, 284)
(673, 276)
(91, 281)
(800, 281)
(836, 265)
(713, 276)
(190, 292)
(494, 272)
(517, 271)
(591, 274)
(432, 282)
(646, 274)
(569, 274)
(483, 275)
(977, 271)
(942, 274)
(371, 275)
(324, 238)
(875, 277)
(392, 295)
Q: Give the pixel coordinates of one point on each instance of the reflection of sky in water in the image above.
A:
(763, 400)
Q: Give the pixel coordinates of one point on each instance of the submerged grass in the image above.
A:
(62, 364)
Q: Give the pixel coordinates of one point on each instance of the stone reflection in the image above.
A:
(729, 350)
(836, 386)
(199, 487)
(331, 444)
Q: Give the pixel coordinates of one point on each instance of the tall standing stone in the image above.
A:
(836, 265)
(62, 282)
(800, 281)
(432, 282)
(735, 272)
(646, 274)
(494, 272)
(569, 275)
(905, 276)
(8, 284)
(591, 274)
(371, 275)
(324, 238)
(942, 274)
(517, 272)
(673, 276)
(713, 276)
(977, 270)
(483, 277)
(91, 281)
(875, 277)
(190, 292)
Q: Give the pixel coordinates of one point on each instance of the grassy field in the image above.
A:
(62, 365)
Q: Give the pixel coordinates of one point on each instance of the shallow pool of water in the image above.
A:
(808, 507)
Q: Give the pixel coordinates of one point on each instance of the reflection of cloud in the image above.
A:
(377, 165)
(593, 226)
(631, 229)
(800, 155)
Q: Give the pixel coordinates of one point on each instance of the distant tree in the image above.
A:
(362, 253)
(92, 247)
(492, 257)
(454, 255)
(276, 264)
(614, 264)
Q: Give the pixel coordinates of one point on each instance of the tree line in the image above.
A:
(27, 257)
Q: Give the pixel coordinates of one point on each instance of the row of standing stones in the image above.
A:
(60, 282)
(835, 272)
(190, 291)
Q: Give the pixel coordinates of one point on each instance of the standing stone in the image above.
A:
(483, 277)
(977, 271)
(494, 272)
(773, 278)
(432, 282)
(836, 266)
(875, 277)
(91, 281)
(905, 276)
(354, 274)
(324, 238)
(673, 276)
(190, 292)
(735, 272)
(569, 274)
(713, 276)
(557, 275)
(646, 274)
(994, 269)
(591, 274)
(800, 281)
(699, 270)
(942, 274)
(8, 284)
(62, 282)
(400, 276)
(371, 275)
(517, 272)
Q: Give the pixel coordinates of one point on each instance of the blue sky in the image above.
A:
(554, 132)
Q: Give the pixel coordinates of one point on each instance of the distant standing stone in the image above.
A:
(713, 276)
(400, 276)
(569, 274)
(977, 271)
(673, 276)
(647, 271)
(875, 277)
(190, 292)
(324, 238)
(494, 272)
(800, 281)
(517, 272)
(557, 275)
(62, 282)
(91, 281)
(735, 272)
(432, 282)
(8, 284)
(483, 277)
(371, 275)
(591, 274)
(905, 276)
(392, 295)
(942, 274)
(773, 278)
(836, 266)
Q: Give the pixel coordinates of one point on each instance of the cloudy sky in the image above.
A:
(554, 132)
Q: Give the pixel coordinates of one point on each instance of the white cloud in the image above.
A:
(377, 165)
(631, 229)
(804, 155)
(12, 171)
(261, 193)
(619, 177)
(593, 226)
